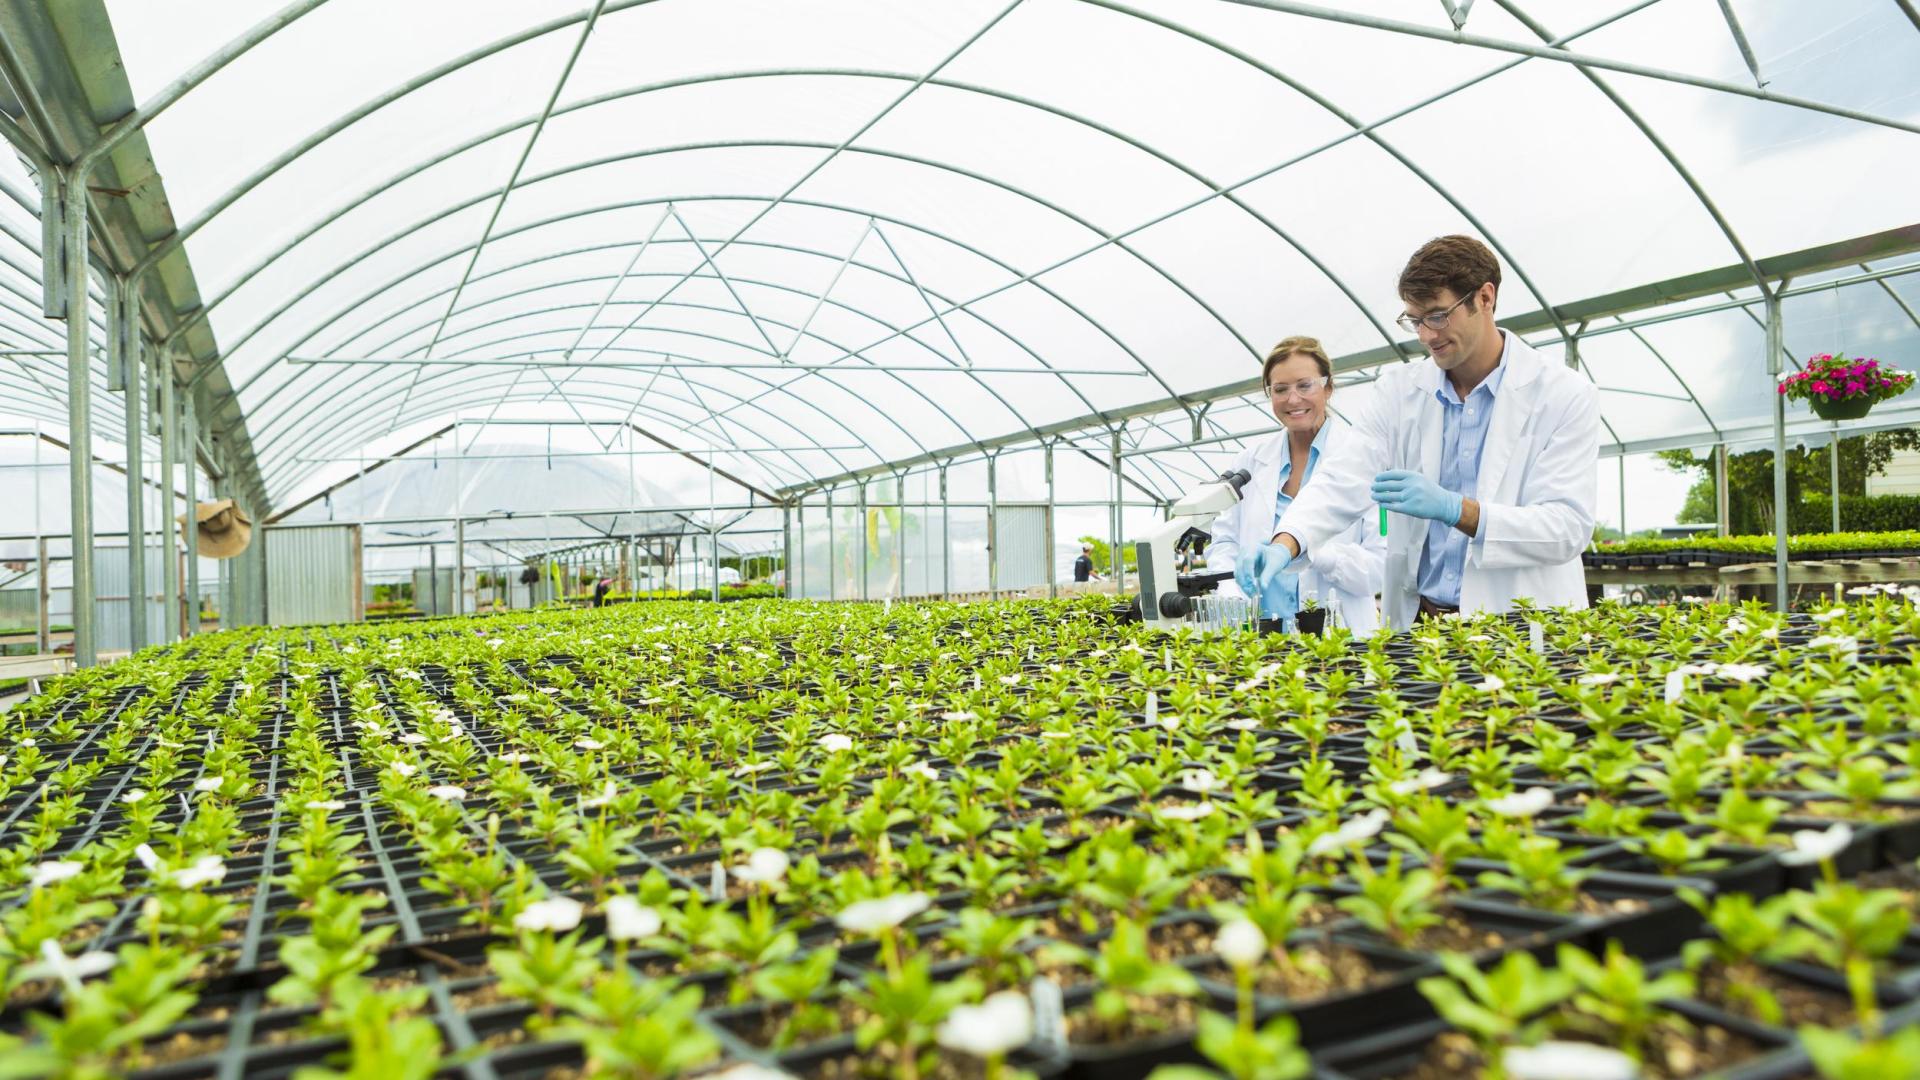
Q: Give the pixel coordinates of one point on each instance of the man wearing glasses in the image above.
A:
(1486, 459)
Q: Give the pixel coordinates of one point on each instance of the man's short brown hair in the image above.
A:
(1299, 343)
(1459, 263)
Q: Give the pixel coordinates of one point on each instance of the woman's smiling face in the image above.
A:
(1297, 411)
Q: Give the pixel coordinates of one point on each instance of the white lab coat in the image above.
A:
(1348, 574)
(1535, 488)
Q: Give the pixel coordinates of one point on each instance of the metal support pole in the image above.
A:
(1053, 573)
(830, 545)
(1119, 567)
(79, 425)
(1723, 502)
(459, 531)
(1622, 459)
(41, 643)
(1833, 474)
(1774, 335)
(860, 526)
(43, 640)
(460, 567)
(191, 444)
(713, 529)
(124, 338)
(433, 580)
(169, 544)
(786, 550)
(946, 538)
(993, 524)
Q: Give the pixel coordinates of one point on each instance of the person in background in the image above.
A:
(1083, 566)
(1297, 379)
(1487, 459)
(600, 589)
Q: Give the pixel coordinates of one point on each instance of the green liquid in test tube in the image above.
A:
(1383, 521)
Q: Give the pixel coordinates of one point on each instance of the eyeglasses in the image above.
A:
(1305, 387)
(1435, 320)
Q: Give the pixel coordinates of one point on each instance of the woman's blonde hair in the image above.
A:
(1299, 343)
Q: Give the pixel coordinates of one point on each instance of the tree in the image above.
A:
(1750, 476)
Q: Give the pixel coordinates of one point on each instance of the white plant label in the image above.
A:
(1153, 706)
(1676, 686)
(1537, 638)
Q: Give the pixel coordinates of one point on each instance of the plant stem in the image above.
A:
(1243, 981)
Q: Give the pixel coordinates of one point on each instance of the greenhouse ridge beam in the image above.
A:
(528, 361)
(1891, 243)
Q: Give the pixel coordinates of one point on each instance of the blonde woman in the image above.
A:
(1297, 379)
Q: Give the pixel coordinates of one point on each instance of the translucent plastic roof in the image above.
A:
(827, 237)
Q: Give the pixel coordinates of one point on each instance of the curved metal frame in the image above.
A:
(544, 286)
(1554, 51)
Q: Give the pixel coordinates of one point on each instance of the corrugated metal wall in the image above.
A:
(112, 632)
(313, 574)
(1020, 545)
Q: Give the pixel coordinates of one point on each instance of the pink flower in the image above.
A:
(1819, 386)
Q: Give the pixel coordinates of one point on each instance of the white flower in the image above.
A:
(556, 913)
(1816, 845)
(1056, 734)
(325, 804)
(1492, 684)
(1676, 686)
(147, 856)
(752, 1070)
(1735, 625)
(1187, 811)
(1243, 723)
(209, 783)
(206, 870)
(1352, 831)
(1525, 804)
(753, 767)
(404, 769)
(494, 642)
(630, 920)
(835, 743)
(1199, 781)
(1009, 680)
(1427, 780)
(1003, 1022)
(873, 916)
(1835, 641)
(1742, 672)
(56, 870)
(766, 866)
(1598, 678)
(514, 757)
(921, 769)
(1569, 1061)
(449, 792)
(1240, 943)
(1828, 615)
(585, 743)
(54, 964)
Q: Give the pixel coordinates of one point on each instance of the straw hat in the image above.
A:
(224, 528)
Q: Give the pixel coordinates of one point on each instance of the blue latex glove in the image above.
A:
(1280, 598)
(1257, 566)
(1407, 492)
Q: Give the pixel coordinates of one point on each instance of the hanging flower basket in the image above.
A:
(1837, 388)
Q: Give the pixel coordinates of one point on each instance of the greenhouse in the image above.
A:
(992, 538)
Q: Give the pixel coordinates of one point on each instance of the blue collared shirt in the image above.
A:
(1463, 435)
(1283, 596)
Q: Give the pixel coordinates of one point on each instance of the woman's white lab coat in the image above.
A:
(1535, 487)
(1349, 570)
